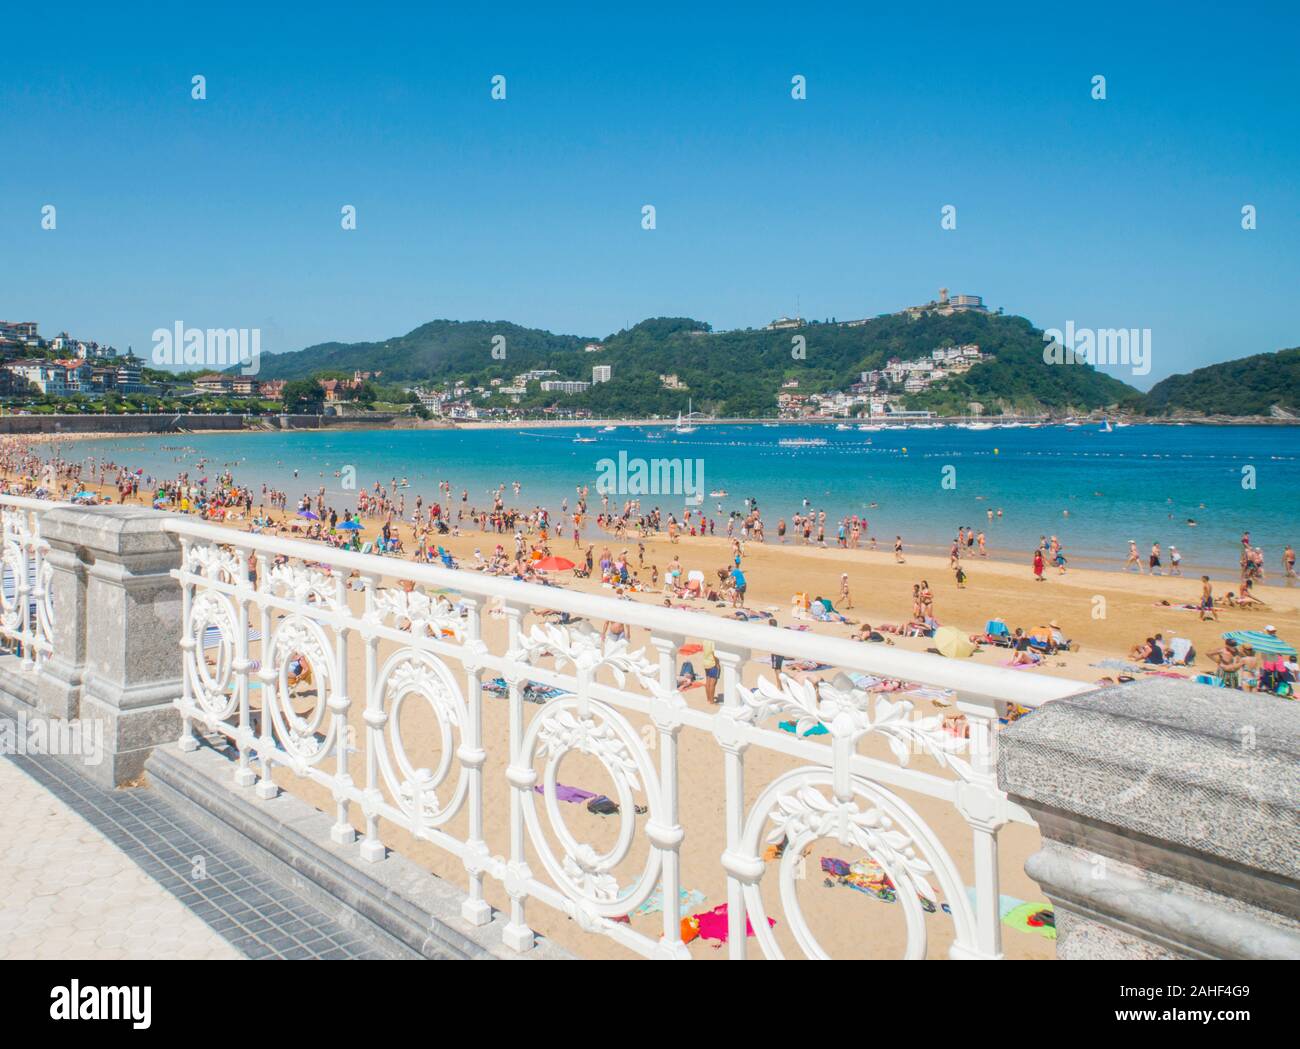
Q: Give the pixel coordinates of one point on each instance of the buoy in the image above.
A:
(995, 451)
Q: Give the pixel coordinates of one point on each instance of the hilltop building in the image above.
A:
(946, 305)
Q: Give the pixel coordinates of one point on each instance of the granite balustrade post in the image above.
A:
(117, 657)
(1170, 819)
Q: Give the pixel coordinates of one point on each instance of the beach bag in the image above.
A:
(602, 806)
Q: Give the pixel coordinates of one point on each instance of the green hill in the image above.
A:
(734, 373)
(1249, 386)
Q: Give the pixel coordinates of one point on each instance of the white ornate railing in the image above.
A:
(618, 705)
(26, 604)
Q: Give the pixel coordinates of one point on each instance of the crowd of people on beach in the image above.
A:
(527, 535)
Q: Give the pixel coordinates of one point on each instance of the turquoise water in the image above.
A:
(1138, 482)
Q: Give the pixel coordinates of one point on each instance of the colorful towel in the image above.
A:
(807, 665)
(816, 730)
(867, 876)
(654, 903)
(573, 795)
(713, 925)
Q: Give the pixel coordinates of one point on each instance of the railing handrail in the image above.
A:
(24, 502)
(970, 680)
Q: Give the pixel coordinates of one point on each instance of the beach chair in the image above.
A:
(1182, 652)
(996, 633)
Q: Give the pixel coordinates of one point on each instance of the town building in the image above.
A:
(564, 386)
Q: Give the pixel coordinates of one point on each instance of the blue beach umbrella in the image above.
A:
(1261, 641)
(351, 526)
(308, 514)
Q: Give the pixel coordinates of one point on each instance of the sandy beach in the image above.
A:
(1105, 613)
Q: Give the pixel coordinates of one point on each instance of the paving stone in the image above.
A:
(93, 873)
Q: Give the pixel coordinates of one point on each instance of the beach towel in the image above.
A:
(574, 795)
(654, 903)
(1036, 918)
(931, 692)
(713, 925)
(1117, 664)
(807, 665)
(816, 730)
(868, 877)
(212, 636)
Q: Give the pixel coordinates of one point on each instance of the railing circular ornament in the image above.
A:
(801, 808)
(212, 684)
(13, 566)
(306, 735)
(585, 876)
(408, 675)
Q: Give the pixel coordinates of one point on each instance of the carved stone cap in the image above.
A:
(1196, 768)
(117, 533)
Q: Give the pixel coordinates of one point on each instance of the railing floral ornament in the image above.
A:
(851, 713)
(858, 812)
(287, 624)
(414, 610)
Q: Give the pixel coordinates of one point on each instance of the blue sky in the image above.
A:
(225, 212)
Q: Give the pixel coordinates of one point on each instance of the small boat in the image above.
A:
(1105, 426)
(608, 429)
(844, 426)
(870, 428)
(680, 428)
(719, 494)
(584, 440)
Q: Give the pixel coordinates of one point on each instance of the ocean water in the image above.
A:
(1092, 489)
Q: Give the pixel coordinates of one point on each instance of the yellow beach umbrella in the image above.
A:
(953, 643)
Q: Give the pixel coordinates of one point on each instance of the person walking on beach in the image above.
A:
(898, 550)
(1175, 561)
(1288, 561)
(1133, 558)
(1155, 559)
(1038, 565)
(709, 660)
(846, 600)
(1207, 600)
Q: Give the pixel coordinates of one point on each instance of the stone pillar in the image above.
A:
(1170, 818)
(58, 685)
(117, 560)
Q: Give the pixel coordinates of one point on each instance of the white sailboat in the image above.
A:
(680, 428)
